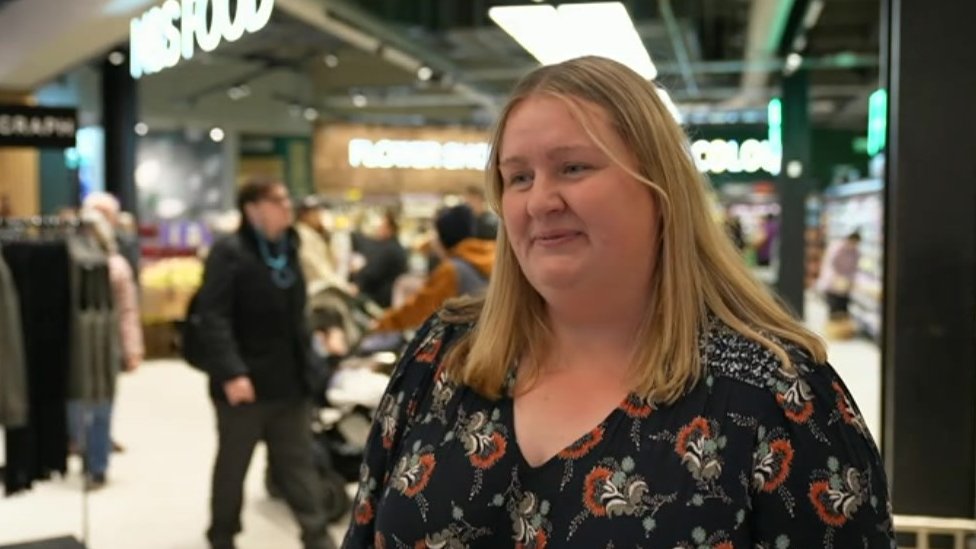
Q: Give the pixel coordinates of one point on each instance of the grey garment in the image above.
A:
(96, 356)
(13, 367)
(283, 425)
(470, 280)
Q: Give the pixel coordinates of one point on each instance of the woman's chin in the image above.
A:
(554, 280)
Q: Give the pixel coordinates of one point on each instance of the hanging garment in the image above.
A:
(40, 448)
(13, 370)
(95, 354)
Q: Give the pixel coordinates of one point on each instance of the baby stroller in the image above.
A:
(348, 391)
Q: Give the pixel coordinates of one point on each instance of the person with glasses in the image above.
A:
(252, 310)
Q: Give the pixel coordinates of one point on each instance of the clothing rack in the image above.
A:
(48, 228)
(38, 227)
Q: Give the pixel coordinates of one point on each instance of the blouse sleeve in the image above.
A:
(818, 480)
(409, 387)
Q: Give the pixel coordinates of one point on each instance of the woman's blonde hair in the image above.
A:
(698, 271)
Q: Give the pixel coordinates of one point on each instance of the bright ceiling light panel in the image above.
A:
(553, 35)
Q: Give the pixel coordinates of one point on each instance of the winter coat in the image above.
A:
(444, 282)
(386, 260)
(318, 266)
(251, 326)
(123, 283)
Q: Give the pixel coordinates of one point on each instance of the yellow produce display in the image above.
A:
(167, 286)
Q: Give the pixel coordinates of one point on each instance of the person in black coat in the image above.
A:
(252, 309)
(386, 260)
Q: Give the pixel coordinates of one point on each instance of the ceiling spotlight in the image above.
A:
(217, 135)
(311, 114)
(359, 100)
(793, 62)
(331, 61)
(424, 73)
(141, 129)
(116, 58)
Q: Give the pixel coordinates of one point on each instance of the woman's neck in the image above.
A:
(605, 335)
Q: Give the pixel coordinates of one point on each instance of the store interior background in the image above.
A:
(310, 99)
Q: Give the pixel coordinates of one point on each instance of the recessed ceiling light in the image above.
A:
(141, 129)
(217, 135)
(310, 114)
(331, 61)
(424, 73)
(359, 100)
(116, 58)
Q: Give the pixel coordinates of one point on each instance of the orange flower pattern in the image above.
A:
(753, 456)
(848, 412)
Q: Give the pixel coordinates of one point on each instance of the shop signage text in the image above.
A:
(23, 126)
(720, 156)
(165, 34)
(417, 155)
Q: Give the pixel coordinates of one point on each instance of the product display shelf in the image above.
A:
(859, 206)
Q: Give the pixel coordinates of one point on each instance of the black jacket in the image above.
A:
(249, 325)
(386, 260)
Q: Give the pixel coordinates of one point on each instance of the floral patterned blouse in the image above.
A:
(752, 457)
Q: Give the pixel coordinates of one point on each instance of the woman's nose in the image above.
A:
(545, 197)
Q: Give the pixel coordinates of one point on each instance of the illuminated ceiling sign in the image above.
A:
(720, 156)
(165, 34)
(417, 155)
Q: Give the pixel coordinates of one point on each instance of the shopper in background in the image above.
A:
(769, 235)
(252, 307)
(625, 381)
(837, 274)
(90, 422)
(486, 222)
(123, 224)
(465, 266)
(733, 226)
(386, 260)
(315, 253)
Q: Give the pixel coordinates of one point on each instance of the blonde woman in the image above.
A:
(624, 382)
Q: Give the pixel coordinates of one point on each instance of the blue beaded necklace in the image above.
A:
(282, 274)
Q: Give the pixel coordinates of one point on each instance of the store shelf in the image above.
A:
(859, 206)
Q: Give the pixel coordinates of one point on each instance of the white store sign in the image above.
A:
(719, 156)
(417, 155)
(162, 36)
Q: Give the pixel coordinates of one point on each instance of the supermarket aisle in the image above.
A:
(159, 488)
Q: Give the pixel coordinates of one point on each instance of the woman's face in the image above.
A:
(575, 218)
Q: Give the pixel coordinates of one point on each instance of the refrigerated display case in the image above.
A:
(859, 206)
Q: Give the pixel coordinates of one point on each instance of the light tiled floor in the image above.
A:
(158, 494)
(157, 497)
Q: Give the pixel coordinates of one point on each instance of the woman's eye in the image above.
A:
(518, 179)
(573, 169)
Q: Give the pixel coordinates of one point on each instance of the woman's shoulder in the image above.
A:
(424, 355)
(731, 355)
